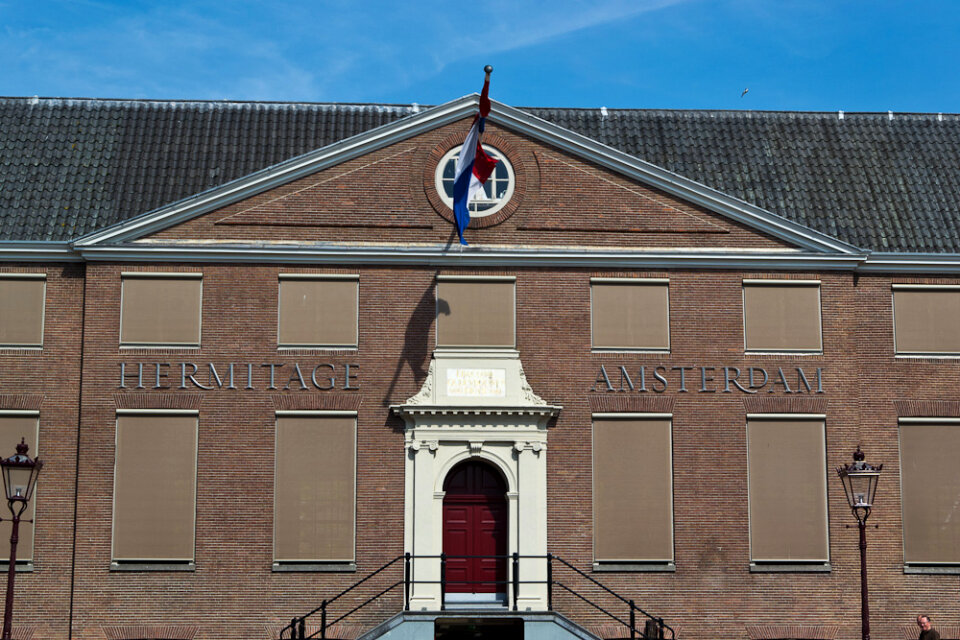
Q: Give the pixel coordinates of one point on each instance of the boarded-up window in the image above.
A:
(317, 312)
(926, 320)
(476, 313)
(155, 487)
(21, 310)
(630, 315)
(315, 488)
(632, 489)
(161, 310)
(15, 426)
(779, 315)
(787, 490)
(930, 485)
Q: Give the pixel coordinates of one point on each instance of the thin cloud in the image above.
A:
(284, 50)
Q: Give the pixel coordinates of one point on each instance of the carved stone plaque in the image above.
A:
(481, 383)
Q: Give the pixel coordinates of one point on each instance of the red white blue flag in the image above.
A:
(474, 166)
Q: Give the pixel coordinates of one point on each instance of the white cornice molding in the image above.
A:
(38, 252)
(862, 262)
(911, 263)
(473, 256)
(403, 410)
(509, 117)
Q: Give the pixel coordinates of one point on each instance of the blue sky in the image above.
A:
(854, 55)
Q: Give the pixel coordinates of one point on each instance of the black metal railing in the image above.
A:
(654, 628)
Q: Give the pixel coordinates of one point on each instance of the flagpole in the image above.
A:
(468, 177)
(487, 70)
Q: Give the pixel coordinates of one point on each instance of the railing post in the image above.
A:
(443, 581)
(323, 620)
(516, 578)
(406, 581)
(293, 629)
(633, 621)
(652, 630)
(660, 628)
(549, 582)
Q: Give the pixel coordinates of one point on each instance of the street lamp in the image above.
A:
(19, 478)
(860, 484)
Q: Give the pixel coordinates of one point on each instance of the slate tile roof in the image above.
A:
(878, 181)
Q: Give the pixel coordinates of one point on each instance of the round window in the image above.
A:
(496, 191)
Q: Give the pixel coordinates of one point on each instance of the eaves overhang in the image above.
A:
(474, 256)
(520, 121)
(478, 256)
(12, 251)
(911, 263)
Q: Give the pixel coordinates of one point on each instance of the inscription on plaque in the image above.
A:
(485, 383)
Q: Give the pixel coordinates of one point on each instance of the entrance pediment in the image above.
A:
(482, 389)
(476, 407)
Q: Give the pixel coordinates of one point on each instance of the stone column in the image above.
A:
(532, 523)
(424, 596)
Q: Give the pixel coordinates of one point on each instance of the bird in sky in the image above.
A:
(744, 92)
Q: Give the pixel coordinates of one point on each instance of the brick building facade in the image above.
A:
(253, 396)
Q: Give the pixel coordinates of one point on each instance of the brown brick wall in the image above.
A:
(48, 380)
(233, 593)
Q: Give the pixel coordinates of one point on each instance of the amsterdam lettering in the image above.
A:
(686, 379)
(241, 376)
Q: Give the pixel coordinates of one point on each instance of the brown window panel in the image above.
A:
(630, 315)
(315, 488)
(787, 490)
(21, 311)
(155, 487)
(632, 490)
(317, 312)
(13, 427)
(476, 313)
(781, 317)
(161, 310)
(926, 320)
(930, 485)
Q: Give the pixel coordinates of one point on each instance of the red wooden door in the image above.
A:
(475, 524)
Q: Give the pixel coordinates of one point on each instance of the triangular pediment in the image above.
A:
(626, 207)
(378, 188)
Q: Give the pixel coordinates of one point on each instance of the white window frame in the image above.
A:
(183, 275)
(319, 277)
(43, 311)
(755, 282)
(947, 355)
(495, 204)
(639, 282)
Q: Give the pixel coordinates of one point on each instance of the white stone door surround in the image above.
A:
(476, 404)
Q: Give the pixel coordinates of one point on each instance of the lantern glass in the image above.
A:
(20, 474)
(860, 487)
(18, 483)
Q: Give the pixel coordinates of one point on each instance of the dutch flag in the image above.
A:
(474, 166)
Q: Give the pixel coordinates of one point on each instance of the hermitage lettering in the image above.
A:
(246, 376)
(700, 379)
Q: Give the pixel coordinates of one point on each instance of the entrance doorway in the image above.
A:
(475, 524)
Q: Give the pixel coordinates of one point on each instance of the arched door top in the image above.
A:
(474, 478)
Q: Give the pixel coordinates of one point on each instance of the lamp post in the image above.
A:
(860, 484)
(19, 478)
